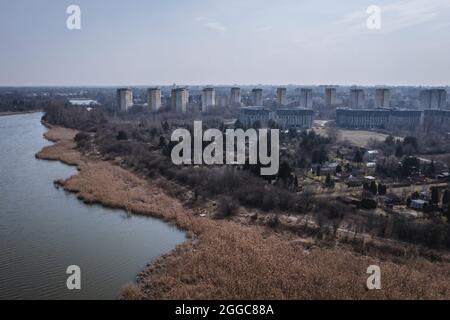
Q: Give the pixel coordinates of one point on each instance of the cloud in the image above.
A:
(265, 29)
(395, 17)
(211, 25)
(216, 26)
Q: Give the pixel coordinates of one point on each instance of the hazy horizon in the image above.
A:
(223, 43)
(143, 86)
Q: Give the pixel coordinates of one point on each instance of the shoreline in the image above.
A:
(15, 113)
(228, 260)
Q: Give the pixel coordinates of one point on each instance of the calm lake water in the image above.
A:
(44, 230)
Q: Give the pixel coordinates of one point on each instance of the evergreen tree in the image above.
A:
(328, 181)
(399, 151)
(296, 182)
(382, 190)
(446, 199)
(358, 158)
(435, 195)
(408, 202)
(373, 187)
(432, 168)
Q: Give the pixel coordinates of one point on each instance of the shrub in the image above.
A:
(122, 135)
(226, 207)
(273, 221)
(82, 140)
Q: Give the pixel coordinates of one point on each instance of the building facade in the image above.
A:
(180, 98)
(257, 97)
(378, 119)
(235, 96)
(248, 116)
(222, 101)
(330, 97)
(405, 119)
(363, 118)
(382, 98)
(208, 99)
(154, 99)
(436, 119)
(306, 98)
(285, 118)
(433, 99)
(357, 99)
(281, 96)
(124, 99)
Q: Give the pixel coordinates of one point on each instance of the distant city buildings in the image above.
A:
(432, 106)
(306, 101)
(154, 99)
(285, 118)
(281, 96)
(357, 99)
(235, 96)
(257, 97)
(433, 99)
(382, 98)
(180, 99)
(330, 97)
(124, 99)
(208, 98)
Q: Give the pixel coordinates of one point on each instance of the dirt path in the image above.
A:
(227, 260)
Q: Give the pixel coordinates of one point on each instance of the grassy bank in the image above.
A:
(11, 113)
(231, 260)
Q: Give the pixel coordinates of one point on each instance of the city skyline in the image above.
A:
(224, 43)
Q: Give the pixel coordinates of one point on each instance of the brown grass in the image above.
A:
(228, 260)
(131, 292)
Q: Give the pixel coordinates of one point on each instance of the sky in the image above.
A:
(226, 42)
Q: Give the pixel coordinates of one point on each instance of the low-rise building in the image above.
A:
(438, 119)
(294, 118)
(250, 115)
(405, 119)
(378, 118)
(362, 118)
(285, 118)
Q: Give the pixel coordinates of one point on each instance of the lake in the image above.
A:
(43, 230)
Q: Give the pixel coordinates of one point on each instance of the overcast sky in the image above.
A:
(150, 42)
